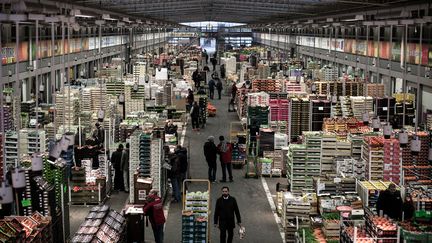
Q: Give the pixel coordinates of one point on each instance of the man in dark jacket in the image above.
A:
(226, 207)
(181, 153)
(219, 87)
(210, 153)
(196, 78)
(154, 209)
(390, 202)
(194, 113)
(213, 62)
(211, 86)
(116, 162)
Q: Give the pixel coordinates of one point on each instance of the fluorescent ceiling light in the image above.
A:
(107, 17)
(83, 16)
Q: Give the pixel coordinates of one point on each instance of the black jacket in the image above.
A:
(182, 159)
(390, 204)
(210, 152)
(224, 212)
(408, 210)
(195, 112)
(116, 159)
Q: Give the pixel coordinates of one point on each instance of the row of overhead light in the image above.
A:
(331, 22)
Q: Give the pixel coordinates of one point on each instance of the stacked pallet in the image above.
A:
(258, 114)
(354, 88)
(302, 165)
(392, 160)
(86, 100)
(292, 87)
(279, 109)
(134, 161)
(134, 101)
(330, 74)
(356, 145)
(404, 97)
(321, 110)
(346, 106)
(32, 141)
(416, 166)
(349, 166)
(360, 105)
(67, 107)
(299, 121)
(115, 87)
(277, 162)
(409, 113)
(7, 119)
(11, 148)
(328, 152)
(385, 107)
(375, 90)
(294, 210)
(258, 99)
(156, 163)
(267, 85)
(98, 98)
(373, 157)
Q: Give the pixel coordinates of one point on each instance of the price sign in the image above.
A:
(320, 108)
(384, 108)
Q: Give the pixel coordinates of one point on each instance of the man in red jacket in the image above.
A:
(225, 155)
(154, 209)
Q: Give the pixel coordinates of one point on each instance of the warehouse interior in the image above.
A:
(324, 106)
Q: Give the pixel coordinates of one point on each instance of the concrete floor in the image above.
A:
(255, 210)
(256, 213)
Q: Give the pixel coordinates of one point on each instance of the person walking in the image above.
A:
(219, 87)
(222, 71)
(125, 167)
(175, 177)
(181, 153)
(233, 90)
(154, 209)
(211, 85)
(226, 208)
(116, 162)
(195, 116)
(390, 202)
(210, 153)
(225, 155)
(213, 62)
(189, 99)
(196, 79)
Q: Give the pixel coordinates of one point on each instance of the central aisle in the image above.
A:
(255, 210)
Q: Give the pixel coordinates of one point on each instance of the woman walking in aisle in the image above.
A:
(225, 156)
(195, 116)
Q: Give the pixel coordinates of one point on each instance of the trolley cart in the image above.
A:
(196, 211)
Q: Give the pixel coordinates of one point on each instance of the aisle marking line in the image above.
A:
(167, 207)
(273, 208)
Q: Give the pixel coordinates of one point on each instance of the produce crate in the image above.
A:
(415, 237)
